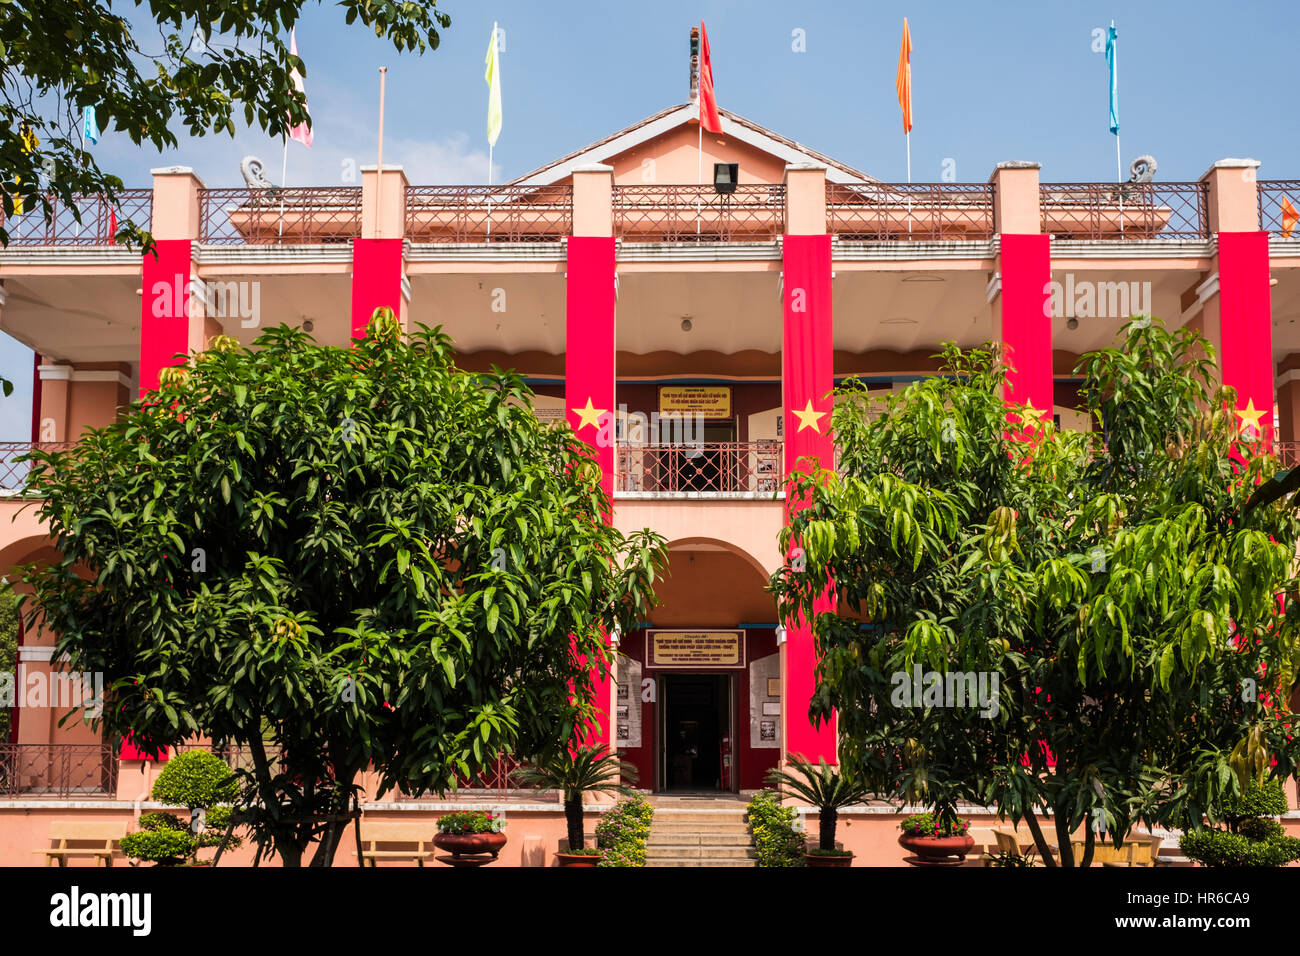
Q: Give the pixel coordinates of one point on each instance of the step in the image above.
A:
(658, 838)
(721, 829)
(670, 861)
(700, 853)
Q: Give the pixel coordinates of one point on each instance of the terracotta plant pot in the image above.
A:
(937, 851)
(578, 859)
(823, 859)
(470, 844)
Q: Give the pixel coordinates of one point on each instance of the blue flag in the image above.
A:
(90, 129)
(1111, 36)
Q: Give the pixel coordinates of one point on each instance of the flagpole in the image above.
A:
(1119, 178)
(699, 172)
(495, 66)
(379, 162)
(908, 136)
(284, 181)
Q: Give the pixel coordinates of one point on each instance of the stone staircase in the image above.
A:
(699, 833)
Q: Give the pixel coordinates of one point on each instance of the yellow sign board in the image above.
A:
(696, 648)
(711, 401)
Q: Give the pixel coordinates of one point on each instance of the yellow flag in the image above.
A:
(30, 142)
(493, 76)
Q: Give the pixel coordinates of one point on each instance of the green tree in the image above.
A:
(61, 56)
(8, 654)
(1116, 593)
(338, 559)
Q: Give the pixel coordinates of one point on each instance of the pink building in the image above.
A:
(622, 287)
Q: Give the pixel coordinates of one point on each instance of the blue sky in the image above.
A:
(991, 82)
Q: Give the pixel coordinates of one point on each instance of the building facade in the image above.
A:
(692, 333)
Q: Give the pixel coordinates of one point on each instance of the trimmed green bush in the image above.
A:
(623, 831)
(1252, 837)
(161, 846)
(8, 648)
(778, 840)
(195, 780)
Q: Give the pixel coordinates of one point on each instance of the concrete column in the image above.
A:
(378, 265)
(172, 321)
(807, 378)
(1019, 291)
(1233, 304)
(590, 281)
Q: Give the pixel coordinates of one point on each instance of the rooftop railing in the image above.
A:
(57, 770)
(311, 214)
(1125, 210)
(1279, 207)
(692, 213)
(13, 472)
(917, 212)
(99, 220)
(488, 213)
(752, 467)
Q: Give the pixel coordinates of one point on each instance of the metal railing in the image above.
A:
(1279, 207)
(885, 212)
(1125, 210)
(692, 213)
(57, 770)
(488, 213)
(312, 214)
(100, 220)
(753, 467)
(1288, 453)
(13, 473)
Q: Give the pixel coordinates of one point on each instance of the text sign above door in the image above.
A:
(696, 648)
(711, 401)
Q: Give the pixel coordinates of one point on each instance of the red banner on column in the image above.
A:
(1246, 328)
(1026, 268)
(589, 386)
(164, 309)
(376, 280)
(807, 380)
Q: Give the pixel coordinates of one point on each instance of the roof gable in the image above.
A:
(664, 130)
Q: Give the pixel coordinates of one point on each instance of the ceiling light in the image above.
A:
(898, 320)
(686, 323)
(923, 277)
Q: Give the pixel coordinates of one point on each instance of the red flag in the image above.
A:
(302, 132)
(709, 118)
(903, 79)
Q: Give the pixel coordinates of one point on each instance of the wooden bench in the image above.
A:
(103, 839)
(396, 841)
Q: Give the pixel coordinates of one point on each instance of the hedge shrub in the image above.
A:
(623, 831)
(778, 840)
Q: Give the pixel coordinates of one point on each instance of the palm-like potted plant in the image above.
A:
(575, 772)
(829, 790)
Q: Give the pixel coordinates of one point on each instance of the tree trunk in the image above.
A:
(573, 819)
(1063, 837)
(1089, 843)
(828, 817)
(1040, 841)
(339, 818)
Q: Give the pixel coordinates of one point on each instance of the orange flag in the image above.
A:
(1289, 218)
(709, 118)
(903, 82)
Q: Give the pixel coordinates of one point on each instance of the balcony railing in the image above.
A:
(99, 223)
(1288, 453)
(1279, 207)
(750, 467)
(887, 212)
(488, 213)
(315, 214)
(1125, 210)
(13, 473)
(690, 213)
(57, 770)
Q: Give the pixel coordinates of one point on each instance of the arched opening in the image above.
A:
(699, 698)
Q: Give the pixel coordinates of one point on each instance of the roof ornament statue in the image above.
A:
(252, 167)
(1142, 170)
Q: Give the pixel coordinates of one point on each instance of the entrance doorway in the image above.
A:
(696, 728)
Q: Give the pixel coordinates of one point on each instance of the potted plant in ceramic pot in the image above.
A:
(470, 835)
(829, 790)
(936, 839)
(576, 772)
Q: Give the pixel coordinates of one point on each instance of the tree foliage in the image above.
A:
(1113, 591)
(338, 559)
(61, 56)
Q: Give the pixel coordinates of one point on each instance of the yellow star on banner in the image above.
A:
(588, 416)
(1033, 416)
(808, 418)
(1250, 416)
